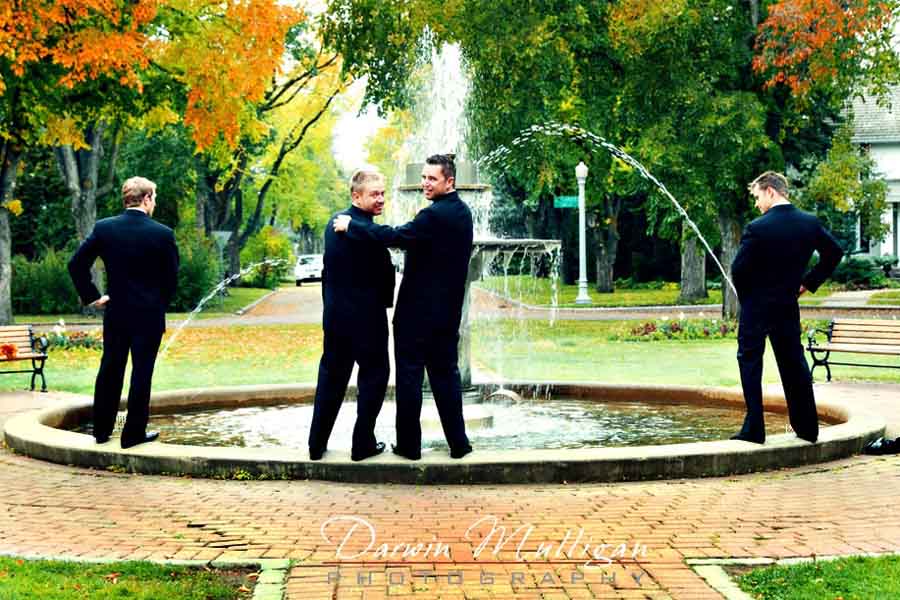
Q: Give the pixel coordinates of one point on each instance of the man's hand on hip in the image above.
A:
(100, 302)
(802, 291)
(341, 223)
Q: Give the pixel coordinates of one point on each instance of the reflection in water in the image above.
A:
(532, 424)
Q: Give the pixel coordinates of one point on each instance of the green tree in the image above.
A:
(844, 185)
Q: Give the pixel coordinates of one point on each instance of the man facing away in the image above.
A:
(438, 244)
(141, 261)
(770, 272)
(357, 288)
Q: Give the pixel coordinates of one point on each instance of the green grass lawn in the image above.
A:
(536, 291)
(891, 297)
(201, 357)
(519, 350)
(855, 578)
(580, 351)
(236, 299)
(55, 580)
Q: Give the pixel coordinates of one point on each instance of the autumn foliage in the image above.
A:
(83, 38)
(804, 44)
(223, 54)
(227, 58)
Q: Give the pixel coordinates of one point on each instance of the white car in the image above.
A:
(308, 268)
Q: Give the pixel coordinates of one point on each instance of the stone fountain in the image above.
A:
(408, 198)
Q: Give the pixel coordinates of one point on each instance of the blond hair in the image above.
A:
(135, 189)
(363, 176)
(771, 180)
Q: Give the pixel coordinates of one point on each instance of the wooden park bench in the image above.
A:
(857, 336)
(26, 347)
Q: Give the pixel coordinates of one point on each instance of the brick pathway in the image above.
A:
(836, 508)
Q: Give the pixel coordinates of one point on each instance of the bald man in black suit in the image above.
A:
(357, 289)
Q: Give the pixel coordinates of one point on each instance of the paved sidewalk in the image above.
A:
(846, 507)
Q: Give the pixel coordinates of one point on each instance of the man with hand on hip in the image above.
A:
(141, 261)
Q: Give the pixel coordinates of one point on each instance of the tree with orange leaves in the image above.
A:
(832, 47)
(49, 49)
(72, 71)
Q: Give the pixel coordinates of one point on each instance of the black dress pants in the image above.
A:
(120, 338)
(437, 354)
(341, 350)
(781, 324)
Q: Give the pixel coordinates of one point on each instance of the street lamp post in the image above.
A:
(581, 173)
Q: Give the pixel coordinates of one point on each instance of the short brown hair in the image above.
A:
(363, 176)
(448, 166)
(771, 180)
(135, 189)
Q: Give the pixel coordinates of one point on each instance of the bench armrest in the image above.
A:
(40, 344)
(811, 335)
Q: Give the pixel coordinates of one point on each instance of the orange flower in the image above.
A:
(9, 351)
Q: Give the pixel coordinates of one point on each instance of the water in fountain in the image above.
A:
(514, 275)
(503, 154)
(272, 262)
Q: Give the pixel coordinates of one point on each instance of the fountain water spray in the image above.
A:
(215, 291)
(552, 128)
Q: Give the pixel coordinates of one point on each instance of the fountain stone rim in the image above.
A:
(36, 434)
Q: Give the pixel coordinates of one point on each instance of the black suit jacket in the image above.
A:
(357, 283)
(771, 263)
(141, 261)
(438, 244)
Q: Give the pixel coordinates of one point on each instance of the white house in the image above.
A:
(878, 128)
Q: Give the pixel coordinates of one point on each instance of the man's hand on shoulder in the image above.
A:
(341, 223)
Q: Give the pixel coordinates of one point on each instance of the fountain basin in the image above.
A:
(43, 434)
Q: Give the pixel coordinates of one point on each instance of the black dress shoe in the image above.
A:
(746, 437)
(150, 436)
(408, 456)
(316, 454)
(809, 438)
(101, 439)
(460, 452)
(378, 449)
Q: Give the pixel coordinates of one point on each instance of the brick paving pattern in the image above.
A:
(845, 507)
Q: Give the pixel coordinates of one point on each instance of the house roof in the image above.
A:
(874, 124)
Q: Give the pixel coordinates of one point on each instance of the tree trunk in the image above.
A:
(606, 241)
(233, 251)
(693, 269)
(606, 247)
(9, 162)
(200, 206)
(80, 169)
(754, 13)
(730, 231)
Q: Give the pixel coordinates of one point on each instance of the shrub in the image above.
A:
(267, 245)
(859, 272)
(200, 270)
(886, 263)
(43, 286)
(678, 329)
(658, 284)
(61, 339)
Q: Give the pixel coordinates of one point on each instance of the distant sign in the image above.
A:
(565, 202)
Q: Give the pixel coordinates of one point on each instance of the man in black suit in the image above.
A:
(438, 244)
(141, 261)
(357, 287)
(770, 273)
